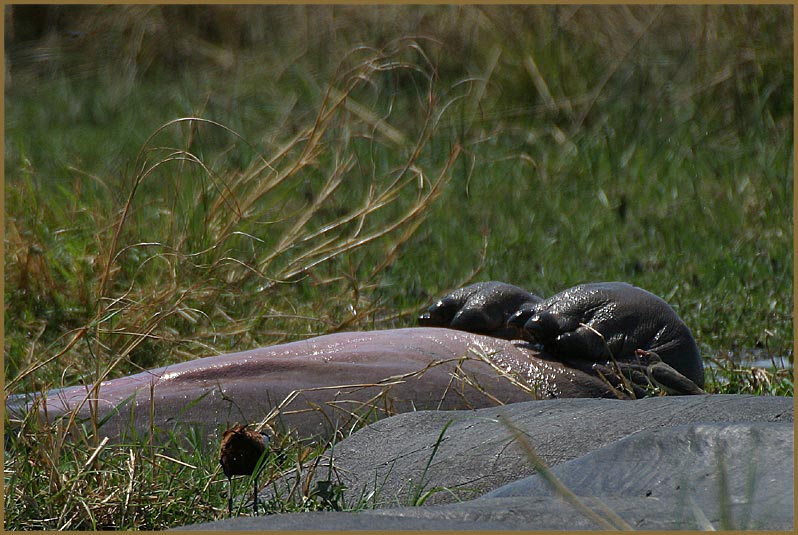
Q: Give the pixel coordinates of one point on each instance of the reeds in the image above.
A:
(317, 206)
(200, 258)
(194, 250)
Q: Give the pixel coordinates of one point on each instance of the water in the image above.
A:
(753, 358)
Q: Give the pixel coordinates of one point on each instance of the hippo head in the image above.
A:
(611, 320)
(482, 308)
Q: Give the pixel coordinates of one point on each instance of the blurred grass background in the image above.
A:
(637, 143)
(348, 164)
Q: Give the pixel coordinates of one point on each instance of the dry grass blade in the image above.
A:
(95, 453)
(540, 82)
(357, 411)
(252, 231)
(176, 461)
(626, 383)
(610, 521)
(377, 123)
(503, 372)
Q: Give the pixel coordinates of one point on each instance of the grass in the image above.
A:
(221, 194)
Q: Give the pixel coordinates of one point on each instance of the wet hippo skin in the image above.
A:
(217, 391)
(338, 378)
(482, 307)
(598, 328)
(628, 319)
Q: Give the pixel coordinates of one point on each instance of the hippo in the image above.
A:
(588, 324)
(483, 307)
(463, 356)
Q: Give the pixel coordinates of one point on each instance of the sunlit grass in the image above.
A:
(304, 171)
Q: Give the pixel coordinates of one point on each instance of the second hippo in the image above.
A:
(588, 326)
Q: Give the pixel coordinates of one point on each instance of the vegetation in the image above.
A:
(183, 181)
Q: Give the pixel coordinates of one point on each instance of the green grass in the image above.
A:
(543, 146)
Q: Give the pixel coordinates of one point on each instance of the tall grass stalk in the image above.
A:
(228, 237)
(192, 180)
(608, 519)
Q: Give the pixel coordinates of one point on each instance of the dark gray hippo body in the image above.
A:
(327, 383)
(591, 327)
(337, 373)
(482, 307)
(611, 320)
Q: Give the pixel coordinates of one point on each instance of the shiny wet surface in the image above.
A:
(343, 374)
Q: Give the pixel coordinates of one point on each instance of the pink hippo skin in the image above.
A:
(216, 392)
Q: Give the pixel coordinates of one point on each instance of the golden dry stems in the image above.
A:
(128, 316)
(381, 402)
(356, 412)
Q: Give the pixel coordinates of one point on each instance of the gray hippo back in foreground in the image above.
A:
(668, 462)
(331, 382)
